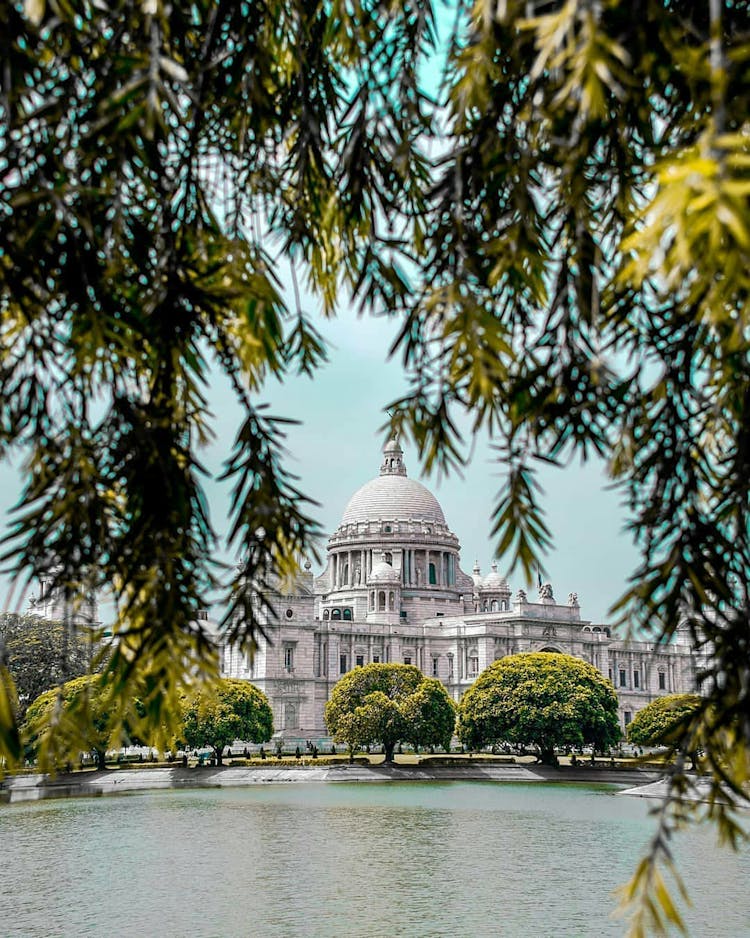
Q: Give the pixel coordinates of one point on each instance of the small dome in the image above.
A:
(382, 572)
(494, 581)
(476, 575)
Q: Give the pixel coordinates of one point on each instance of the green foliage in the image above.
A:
(158, 161)
(430, 715)
(76, 717)
(384, 704)
(539, 699)
(40, 654)
(229, 709)
(664, 720)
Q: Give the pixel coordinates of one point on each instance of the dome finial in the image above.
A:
(393, 458)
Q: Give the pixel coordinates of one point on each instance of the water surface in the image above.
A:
(391, 859)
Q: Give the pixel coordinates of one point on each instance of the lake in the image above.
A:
(391, 859)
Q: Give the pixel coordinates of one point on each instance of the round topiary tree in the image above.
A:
(664, 721)
(540, 699)
(83, 703)
(386, 704)
(226, 710)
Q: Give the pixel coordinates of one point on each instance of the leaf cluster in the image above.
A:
(539, 699)
(220, 713)
(41, 654)
(662, 721)
(77, 716)
(389, 703)
(157, 161)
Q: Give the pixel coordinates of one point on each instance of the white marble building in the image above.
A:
(393, 591)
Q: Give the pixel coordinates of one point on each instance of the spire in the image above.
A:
(393, 459)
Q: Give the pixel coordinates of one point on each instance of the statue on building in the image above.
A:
(545, 592)
(521, 596)
(358, 573)
(572, 599)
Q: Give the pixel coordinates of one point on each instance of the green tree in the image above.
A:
(664, 721)
(40, 654)
(539, 699)
(430, 715)
(385, 704)
(75, 717)
(229, 709)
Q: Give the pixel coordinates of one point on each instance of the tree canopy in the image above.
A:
(545, 700)
(385, 704)
(78, 716)
(661, 721)
(41, 654)
(561, 233)
(220, 713)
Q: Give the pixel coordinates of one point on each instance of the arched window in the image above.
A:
(493, 607)
(325, 613)
(432, 575)
(348, 615)
(391, 601)
(484, 606)
(345, 578)
(372, 599)
(503, 606)
(335, 613)
(381, 600)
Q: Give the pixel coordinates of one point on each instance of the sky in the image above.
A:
(336, 448)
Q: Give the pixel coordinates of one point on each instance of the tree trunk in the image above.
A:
(218, 751)
(547, 756)
(101, 759)
(389, 749)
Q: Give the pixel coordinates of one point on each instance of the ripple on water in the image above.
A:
(404, 859)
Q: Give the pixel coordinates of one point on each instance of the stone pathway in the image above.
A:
(118, 781)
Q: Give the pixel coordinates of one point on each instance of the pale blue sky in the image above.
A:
(337, 447)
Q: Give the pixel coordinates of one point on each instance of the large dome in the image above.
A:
(393, 498)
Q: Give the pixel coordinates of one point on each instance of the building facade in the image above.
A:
(393, 591)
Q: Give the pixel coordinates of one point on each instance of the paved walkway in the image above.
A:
(119, 781)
